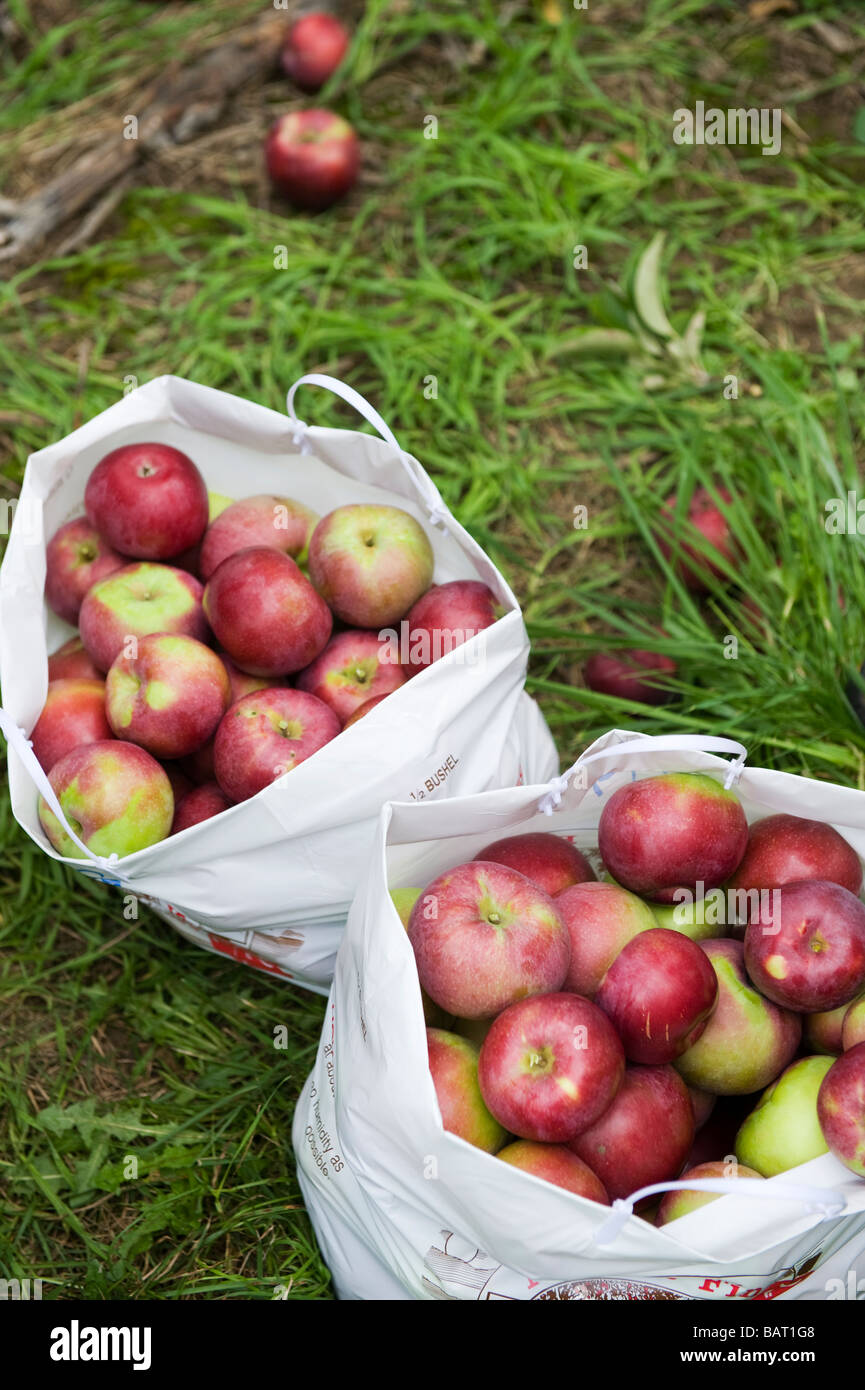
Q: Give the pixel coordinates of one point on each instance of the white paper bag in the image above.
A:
(269, 881)
(404, 1209)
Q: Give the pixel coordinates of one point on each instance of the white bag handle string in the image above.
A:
(826, 1201)
(438, 513)
(660, 743)
(17, 739)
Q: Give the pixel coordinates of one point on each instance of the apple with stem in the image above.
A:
(484, 936)
(549, 1067)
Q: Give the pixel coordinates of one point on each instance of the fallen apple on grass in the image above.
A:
(549, 1067)
(628, 675)
(484, 936)
(681, 829)
(453, 1063)
(169, 697)
(135, 602)
(312, 157)
(694, 564)
(314, 48)
(115, 796)
(556, 1164)
(75, 559)
(659, 993)
(73, 714)
(147, 500)
(551, 862)
(267, 734)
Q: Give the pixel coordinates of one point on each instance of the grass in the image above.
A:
(444, 289)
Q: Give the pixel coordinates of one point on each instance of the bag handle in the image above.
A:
(17, 739)
(828, 1201)
(650, 743)
(438, 512)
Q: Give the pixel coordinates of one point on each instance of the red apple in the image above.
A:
(242, 684)
(267, 734)
(279, 523)
(748, 1040)
(841, 1109)
(73, 714)
(453, 1063)
(199, 804)
(265, 613)
(601, 918)
(706, 518)
(133, 603)
(853, 1027)
(628, 675)
(76, 557)
(404, 900)
(717, 1135)
(370, 563)
(147, 500)
(180, 784)
(784, 849)
(484, 936)
(549, 861)
(659, 993)
(550, 1066)
(71, 662)
(556, 1164)
(350, 671)
(169, 697)
(314, 48)
(198, 767)
(312, 157)
(114, 795)
(685, 1200)
(702, 1103)
(445, 617)
(363, 710)
(823, 1031)
(809, 954)
(674, 831)
(644, 1136)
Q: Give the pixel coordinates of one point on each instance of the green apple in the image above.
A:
(783, 1130)
(701, 920)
